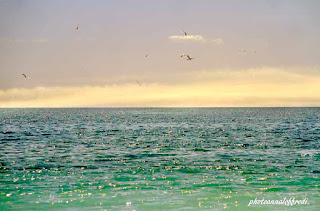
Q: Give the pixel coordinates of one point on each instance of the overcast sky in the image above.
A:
(99, 64)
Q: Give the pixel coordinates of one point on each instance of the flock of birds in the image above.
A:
(182, 55)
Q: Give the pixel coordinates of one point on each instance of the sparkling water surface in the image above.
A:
(158, 158)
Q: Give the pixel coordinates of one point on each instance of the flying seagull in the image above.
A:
(185, 33)
(24, 75)
(188, 57)
(139, 83)
(77, 27)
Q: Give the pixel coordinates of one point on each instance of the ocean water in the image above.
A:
(158, 158)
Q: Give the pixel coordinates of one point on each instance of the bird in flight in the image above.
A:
(77, 27)
(139, 83)
(186, 55)
(185, 33)
(24, 75)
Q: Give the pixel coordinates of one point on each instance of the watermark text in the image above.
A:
(284, 201)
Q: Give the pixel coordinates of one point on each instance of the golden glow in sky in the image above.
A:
(264, 87)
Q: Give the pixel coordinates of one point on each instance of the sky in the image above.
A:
(246, 53)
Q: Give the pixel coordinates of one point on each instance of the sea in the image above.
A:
(159, 158)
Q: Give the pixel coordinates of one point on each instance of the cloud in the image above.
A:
(251, 87)
(196, 38)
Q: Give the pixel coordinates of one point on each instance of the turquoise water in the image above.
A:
(158, 159)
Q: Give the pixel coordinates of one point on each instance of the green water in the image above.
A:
(158, 159)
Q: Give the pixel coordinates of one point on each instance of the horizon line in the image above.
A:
(170, 107)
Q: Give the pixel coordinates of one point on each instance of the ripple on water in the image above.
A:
(165, 158)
